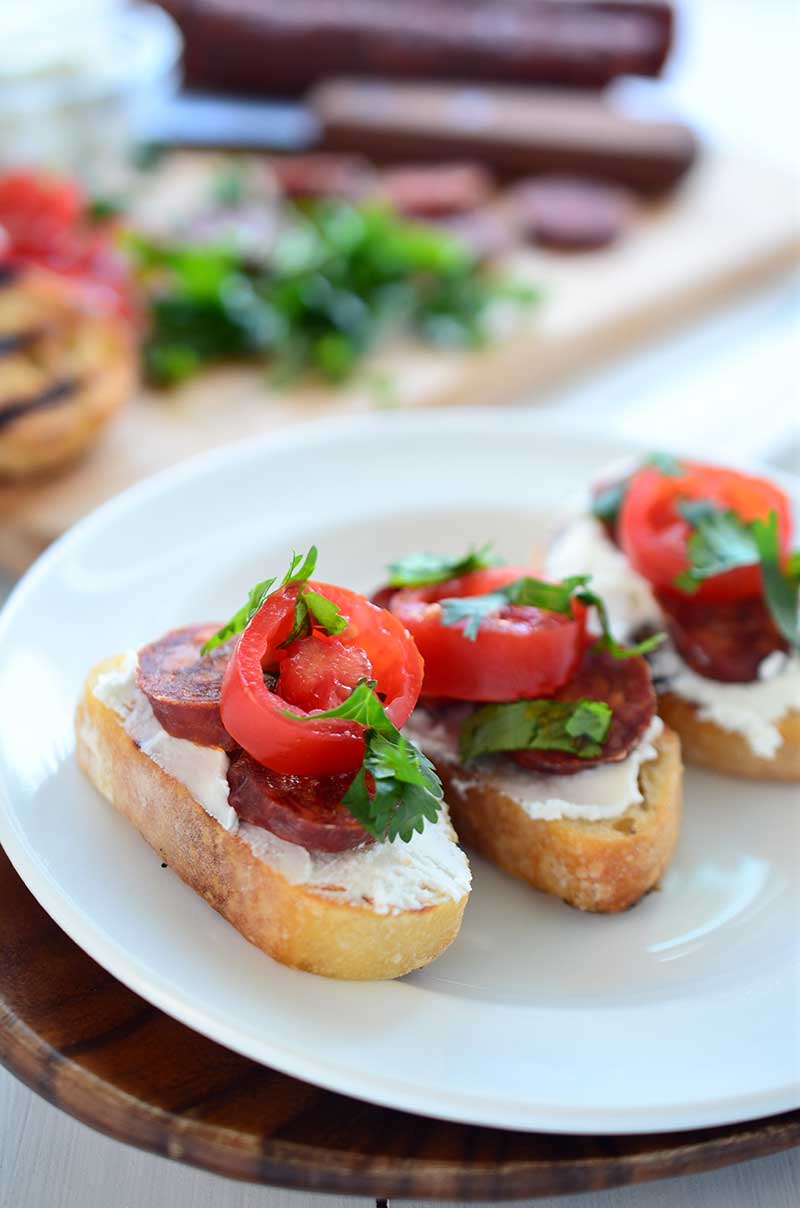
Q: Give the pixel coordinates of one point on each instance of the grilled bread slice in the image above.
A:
(301, 925)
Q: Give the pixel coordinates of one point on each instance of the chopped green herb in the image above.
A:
(666, 463)
(396, 790)
(337, 280)
(577, 727)
(607, 504)
(300, 569)
(422, 569)
(554, 597)
(781, 587)
(720, 541)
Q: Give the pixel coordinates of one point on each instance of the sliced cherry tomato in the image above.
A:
(43, 222)
(38, 211)
(654, 535)
(320, 672)
(518, 651)
(256, 716)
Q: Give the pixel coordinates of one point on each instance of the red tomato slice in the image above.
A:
(320, 672)
(518, 651)
(654, 535)
(37, 211)
(255, 716)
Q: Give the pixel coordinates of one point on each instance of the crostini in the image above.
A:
(705, 552)
(264, 762)
(68, 355)
(554, 762)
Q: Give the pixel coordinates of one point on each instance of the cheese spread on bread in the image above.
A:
(390, 877)
(605, 791)
(752, 710)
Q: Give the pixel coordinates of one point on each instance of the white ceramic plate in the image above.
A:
(678, 1014)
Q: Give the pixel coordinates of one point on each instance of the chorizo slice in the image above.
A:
(572, 214)
(724, 641)
(183, 686)
(306, 810)
(625, 685)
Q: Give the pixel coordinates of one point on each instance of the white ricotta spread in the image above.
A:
(389, 877)
(203, 770)
(605, 791)
(583, 548)
(752, 710)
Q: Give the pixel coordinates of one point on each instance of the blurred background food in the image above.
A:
(237, 214)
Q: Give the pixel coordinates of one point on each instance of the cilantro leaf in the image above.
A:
(313, 609)
(301, 568)
(607, 641)
(720, 541)
(577, 727)
(472, 609)
(421, 569)
(781, 587)
(607, 503)
(537, 593)
(666, 463)
(396, 789)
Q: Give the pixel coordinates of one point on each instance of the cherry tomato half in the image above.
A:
(517, 652)
(256, 716)
(654, 535)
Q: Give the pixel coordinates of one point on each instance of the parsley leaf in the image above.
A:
(577, 727)
(554, 597)
(421, 569)
(301, 568)
(666, 463)
(396, 789)
(720, 541)
(781, 588)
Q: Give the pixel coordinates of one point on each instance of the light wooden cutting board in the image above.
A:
(732, 225)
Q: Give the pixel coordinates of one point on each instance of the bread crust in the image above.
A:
(602, 866)
(709, 746)
(287, 921)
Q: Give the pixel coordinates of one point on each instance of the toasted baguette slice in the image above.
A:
(709, 746)
(602, 866)
(288, 921)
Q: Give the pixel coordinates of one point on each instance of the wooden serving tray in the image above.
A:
(82, 1040)
(731, 225)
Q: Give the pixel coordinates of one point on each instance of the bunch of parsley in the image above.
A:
(337, 278)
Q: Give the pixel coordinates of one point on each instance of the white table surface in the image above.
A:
(729, 387)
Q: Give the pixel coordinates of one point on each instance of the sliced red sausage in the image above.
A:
(435, 190)
(184, 686)
(306, 810)
(625, 685)
(323, 174)
(723, 641)
(571, 214)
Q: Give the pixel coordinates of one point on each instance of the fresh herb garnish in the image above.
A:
(721, 541)
(781, 587)
(577, 727)
(314, 610)
(422, 569)
(396, 789)
(337, 279)
(301, 568)
(554, 597)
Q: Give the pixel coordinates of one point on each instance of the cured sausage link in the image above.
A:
(306, 810)
(625, 685)
(184, 686)
(724, 641)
